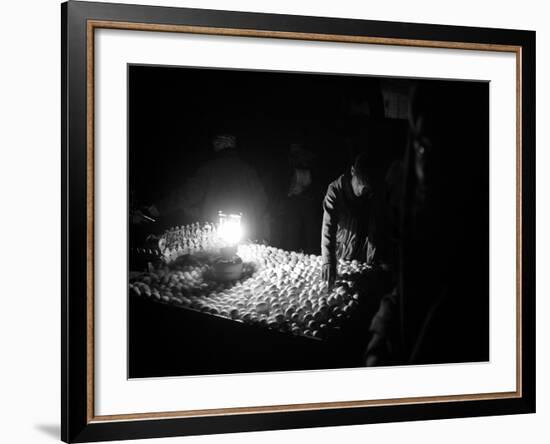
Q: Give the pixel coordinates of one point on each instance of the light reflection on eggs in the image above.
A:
(281, 290)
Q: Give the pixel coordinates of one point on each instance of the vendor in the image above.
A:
(349, 219)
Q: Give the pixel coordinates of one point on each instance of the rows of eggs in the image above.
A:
(192, 233)
(285, 292)
(188, 240)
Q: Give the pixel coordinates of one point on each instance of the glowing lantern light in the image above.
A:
(229, 228)
(229, 266)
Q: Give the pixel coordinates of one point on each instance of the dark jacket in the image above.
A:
(349, 224)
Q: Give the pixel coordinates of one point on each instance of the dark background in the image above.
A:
(173, 114)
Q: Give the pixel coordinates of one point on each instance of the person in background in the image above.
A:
(225, 183)
(300, 207)
(438, 311)
(349, 219)
(392, 202)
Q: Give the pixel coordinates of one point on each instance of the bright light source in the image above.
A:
(229, 228)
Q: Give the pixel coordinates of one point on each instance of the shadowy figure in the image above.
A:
(438, 311)
(225, 183)
(300, 208)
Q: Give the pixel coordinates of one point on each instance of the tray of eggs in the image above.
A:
(278, 289)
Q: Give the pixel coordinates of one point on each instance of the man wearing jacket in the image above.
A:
(349, 219)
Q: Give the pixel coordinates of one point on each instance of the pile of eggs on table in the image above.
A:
(281, 290)
(189, 239)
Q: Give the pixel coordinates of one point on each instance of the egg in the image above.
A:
(262, 307)
(332, 301)
(313, 325)
(290, 311)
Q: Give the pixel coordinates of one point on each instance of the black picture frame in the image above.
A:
(77, 424)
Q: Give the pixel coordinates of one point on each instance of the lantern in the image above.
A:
(229, 266)
(229, 228)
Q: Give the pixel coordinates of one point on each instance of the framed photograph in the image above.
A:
(276, 221)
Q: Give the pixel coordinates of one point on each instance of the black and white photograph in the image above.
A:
(290, 221)
(232, 221)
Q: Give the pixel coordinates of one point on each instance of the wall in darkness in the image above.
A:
(174, 113)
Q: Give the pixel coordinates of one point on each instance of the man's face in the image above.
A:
(360, 185)
(424, 153)
(217, 145)
(222, 142)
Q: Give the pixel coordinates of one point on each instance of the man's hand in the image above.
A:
(153, 211)
(328, 274)
(137, 217)
(144, 214)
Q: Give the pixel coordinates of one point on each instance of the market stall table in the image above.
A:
(278, 315)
